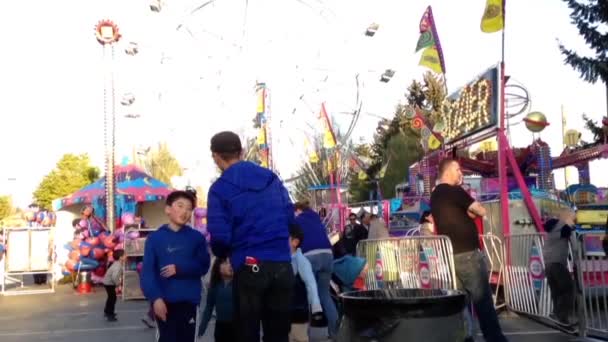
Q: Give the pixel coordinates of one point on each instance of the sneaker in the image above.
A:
(147, 321)
(111, 318)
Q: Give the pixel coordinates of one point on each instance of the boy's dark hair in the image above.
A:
(302, 205)
(443, 165)
(352, 215)
(296, 232)
(216, 277)
(179, 194)
(118, 254)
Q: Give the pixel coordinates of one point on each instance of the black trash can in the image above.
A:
(403, 315)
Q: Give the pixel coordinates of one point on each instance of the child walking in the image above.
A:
(220, 298)
(305, 295)
(110, 281)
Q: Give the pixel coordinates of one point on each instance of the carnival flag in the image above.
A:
(262, 138)
(432, 56)
(329, 139)
(431, 59)
(493, 19)
(313, 157)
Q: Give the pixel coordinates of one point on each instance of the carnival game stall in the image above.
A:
(84, 245)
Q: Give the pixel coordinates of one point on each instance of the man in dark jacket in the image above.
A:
(249, 212)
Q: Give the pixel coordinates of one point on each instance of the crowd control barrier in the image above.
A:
(408, 262)
(495, 252)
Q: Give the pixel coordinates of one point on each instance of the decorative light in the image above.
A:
(469, 112)
(132, 49)
(156, 6)
(372, 29)
(387, 75)
(107, 32)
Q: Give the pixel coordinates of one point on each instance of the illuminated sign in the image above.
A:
(472, 108)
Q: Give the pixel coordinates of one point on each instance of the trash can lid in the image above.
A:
(406, 303)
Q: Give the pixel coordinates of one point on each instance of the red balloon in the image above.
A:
(98, 253)
(70, 264)
(108, 242)
(85, 249)
(94, 241)
(74, 255)
(76, 243)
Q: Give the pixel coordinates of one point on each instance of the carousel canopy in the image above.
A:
(132, 185)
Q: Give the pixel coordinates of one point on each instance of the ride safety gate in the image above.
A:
(494, 251)
(526, 287)
(408, 262)
(592, 276)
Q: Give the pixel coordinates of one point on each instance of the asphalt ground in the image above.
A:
(68, 316)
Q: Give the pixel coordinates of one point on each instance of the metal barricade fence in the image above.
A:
(408, 262)
(526, 287)
(592, 276)
(495, 252)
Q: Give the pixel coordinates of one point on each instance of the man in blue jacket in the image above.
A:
(175, 259)
(248, 217)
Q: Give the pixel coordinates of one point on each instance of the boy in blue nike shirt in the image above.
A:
(175, 259)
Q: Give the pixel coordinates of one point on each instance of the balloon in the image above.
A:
(83, 223)
(103, 235)
(76, 243)
(132, 234)
(140, 267)
(127, 218)
(97, 253)
(94, 241)
(74, 255)
(70, 264)
(109, 242)
(100, 271)
(120, 246)
(85, 248)
(200, 212)
(88, 262)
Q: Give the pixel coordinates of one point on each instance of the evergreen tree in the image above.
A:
(591, 19)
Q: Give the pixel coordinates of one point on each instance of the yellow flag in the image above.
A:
(434, 143)
(362, 175)
(261, 137)
(313, 157)
(430, 59)
(261, 108)
(493, 17)
(328, 138)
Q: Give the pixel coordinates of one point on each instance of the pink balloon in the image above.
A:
(83, 224)
(200, 212)
(127, 218)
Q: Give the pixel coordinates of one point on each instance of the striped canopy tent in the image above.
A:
(133, 186)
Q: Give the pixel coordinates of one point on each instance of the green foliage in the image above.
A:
(359, 189)
(6, 207)
(595, 128)
(71, 173)
(162, 165)
(396, 143)
(591, 19)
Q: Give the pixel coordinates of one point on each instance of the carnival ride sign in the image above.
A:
(473, 108)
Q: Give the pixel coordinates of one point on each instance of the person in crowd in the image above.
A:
(111, 280)
(353, 233)
(248, 217)
(175, 259)
(377, 228)
(220, 298)
(427, 227)
(555, 253)
(305, 300)
(453, 211)
(317, 248)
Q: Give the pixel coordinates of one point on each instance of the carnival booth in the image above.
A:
(84, 245)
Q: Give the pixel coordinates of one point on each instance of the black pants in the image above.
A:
(263, 296)
(109, 309)
(224, 332)
(562, 290)
(180, 325)
(39, 279)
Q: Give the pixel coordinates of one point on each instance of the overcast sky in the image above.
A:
(51, 73)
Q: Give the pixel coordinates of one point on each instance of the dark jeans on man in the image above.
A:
(263, 296)
(109, 309)
(472, 277)
(562, 290)
(224, 332)
(180, 325)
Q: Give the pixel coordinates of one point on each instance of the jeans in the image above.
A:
(472, 277)
(109, 309)
(180, 325)
(263, 296)
(562, 291)
(322, 267)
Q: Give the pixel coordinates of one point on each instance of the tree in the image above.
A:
(311, 173)
(161, 164)
(396, 145)
(591, 18)
(71, 173)
(6, 207)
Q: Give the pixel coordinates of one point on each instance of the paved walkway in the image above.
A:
(66, 316)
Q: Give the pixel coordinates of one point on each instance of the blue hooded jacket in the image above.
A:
(248, 214)
(187, 250)
(315, 233)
